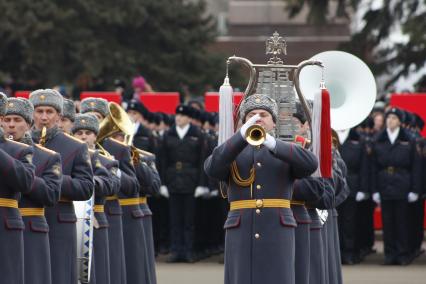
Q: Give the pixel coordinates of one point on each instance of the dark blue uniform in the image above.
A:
(17, 177)
(181, 163)
(397, 171)
(77, 184)
(46, 191)
(353, 152)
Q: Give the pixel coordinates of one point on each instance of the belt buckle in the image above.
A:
(259, 203)
(178, 166)
(391, 170)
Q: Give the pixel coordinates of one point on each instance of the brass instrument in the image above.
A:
(10, 137)
(255, 135)
(119, 121)
(43, 136)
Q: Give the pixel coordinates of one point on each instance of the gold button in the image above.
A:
(258, 211)
(256, 236)
(259, 164)
(10, 105)
(92, 104)
(42, 97)
(258, 186)
(259, 203)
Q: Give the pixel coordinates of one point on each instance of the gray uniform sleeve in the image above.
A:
(47, 186)
(302, 161)
(18, 173)
(218, 164)
(79, 185)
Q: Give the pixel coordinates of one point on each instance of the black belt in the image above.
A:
(391, 170)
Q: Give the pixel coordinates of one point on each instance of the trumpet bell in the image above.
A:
(116, 121)
(351, 85)
(255, 135)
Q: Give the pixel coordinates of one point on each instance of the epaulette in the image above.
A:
(302, 141)
(44, 149)
(75, 139)
(19, 143)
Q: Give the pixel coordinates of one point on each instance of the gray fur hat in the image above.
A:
(69, 109)
(94, 104)
(3, 102)
(22, 107)
(85, 121)
(47, 97)
(258, 101)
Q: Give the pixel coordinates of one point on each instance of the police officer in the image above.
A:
(126, 249)
(77, 182)
(353, 152)
(86, 128)
(68, 116)
(183, 154)
(259, 244)
(45, 192)
(396, 183)
(143, 138)
(18, 177)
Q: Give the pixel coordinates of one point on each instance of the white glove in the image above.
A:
(376, 197)
(251, 121)
(412, 197)
(201, 191)
(360, 196)
(164, 191)
(214, 193)
(270, 142)
(119, 173)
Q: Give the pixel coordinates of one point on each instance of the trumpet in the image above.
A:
(255, 135)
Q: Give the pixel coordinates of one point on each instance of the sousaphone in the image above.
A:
(351, 85)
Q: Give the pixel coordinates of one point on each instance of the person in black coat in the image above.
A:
(183, 154)
(353, 152)
(396, 183)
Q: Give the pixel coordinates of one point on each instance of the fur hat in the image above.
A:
(69, 109)
(3, 102)
(94, 104)
(21, 107)
(87, 122)
(259, 101)
(47, 97)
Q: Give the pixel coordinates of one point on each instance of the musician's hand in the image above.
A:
(164, 191)
(201, 191)
(376, 197)
(412, 197)
(251, 121)
(270, 142)
(360, 196)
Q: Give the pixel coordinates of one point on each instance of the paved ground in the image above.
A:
(371, 271)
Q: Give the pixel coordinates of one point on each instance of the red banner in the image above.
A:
(161, 102)
(415, 103)
(211, 101)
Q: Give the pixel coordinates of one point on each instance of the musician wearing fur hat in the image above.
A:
(45, 192)
(18, 177)
(123, 211)
(77, 182)
(260, 240)
(107, 183)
